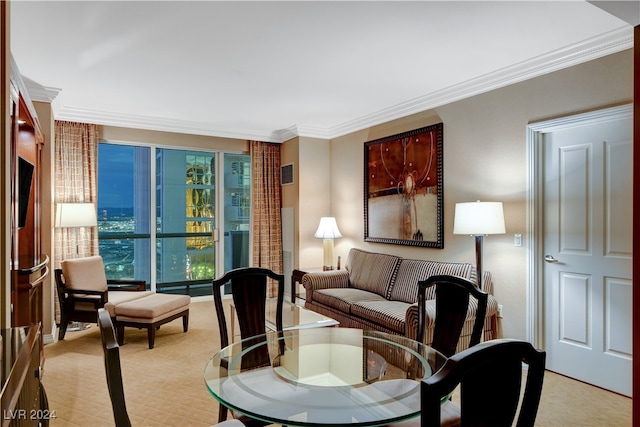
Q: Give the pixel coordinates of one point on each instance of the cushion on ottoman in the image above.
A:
(152, 306)
(115, 298)
(150, 312)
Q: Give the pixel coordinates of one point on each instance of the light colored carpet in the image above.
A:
(164, 386)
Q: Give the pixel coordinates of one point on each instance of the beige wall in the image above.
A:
(315, 198)
(484, 158)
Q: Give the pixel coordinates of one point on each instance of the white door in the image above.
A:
(587, 247)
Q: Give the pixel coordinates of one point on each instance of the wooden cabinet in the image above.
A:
(29, 267)
(23, 399)
(31, 273)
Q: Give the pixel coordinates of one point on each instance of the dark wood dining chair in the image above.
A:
(114, 373)
(452, 304)
(112, 368)
(249, 289)
(490, 378)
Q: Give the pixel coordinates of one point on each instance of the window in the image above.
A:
(185, 213)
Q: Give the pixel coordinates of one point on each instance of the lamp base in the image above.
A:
(328, 255)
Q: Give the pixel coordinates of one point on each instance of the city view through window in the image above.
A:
(184, 257)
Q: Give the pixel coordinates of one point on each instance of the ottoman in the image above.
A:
(150, 312)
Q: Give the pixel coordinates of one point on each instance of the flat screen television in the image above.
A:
(25, 177)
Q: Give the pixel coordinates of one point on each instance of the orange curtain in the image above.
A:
(76, 166)
(266, 201)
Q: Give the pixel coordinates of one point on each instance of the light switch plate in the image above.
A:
(517, 240)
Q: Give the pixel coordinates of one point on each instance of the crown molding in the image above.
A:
(159, 124)
(606, 44)
(597, 47)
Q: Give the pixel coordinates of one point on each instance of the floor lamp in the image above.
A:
(76, 215)
(479, 219)
(327, 230)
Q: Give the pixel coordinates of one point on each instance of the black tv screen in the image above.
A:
(25, 176)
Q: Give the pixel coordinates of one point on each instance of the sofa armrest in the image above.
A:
(411, 319)
(324, 280)
(487, 282)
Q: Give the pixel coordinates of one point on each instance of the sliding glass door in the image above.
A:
(188, 214)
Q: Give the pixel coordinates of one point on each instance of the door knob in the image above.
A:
(550, 259)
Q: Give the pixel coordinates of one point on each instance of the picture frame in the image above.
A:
(403, 188)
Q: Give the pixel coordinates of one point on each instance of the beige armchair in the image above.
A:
(83, 288)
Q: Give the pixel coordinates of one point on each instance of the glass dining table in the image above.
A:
(322, 376)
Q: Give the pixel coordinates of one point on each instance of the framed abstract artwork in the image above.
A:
(403, 203)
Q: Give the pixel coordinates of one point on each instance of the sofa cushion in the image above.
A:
(371, 271)
(342, 298)
(391, 314)
(411, 271)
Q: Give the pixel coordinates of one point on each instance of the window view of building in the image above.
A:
(186, 215)
(124, 184)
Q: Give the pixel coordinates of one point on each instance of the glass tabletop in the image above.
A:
(323, 376)
(295, 316)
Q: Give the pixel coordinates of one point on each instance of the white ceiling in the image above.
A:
(272, 70)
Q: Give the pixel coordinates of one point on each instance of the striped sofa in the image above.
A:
(380, 292)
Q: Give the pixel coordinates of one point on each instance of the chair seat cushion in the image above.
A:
(152, 307)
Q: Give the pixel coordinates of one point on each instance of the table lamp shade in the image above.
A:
(76, 215)
(327, 230)
(479, 218)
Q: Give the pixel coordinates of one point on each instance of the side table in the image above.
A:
(296, 277)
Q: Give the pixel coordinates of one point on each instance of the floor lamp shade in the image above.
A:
(479, 219)
(76, 215)
(327, 230)
(476, 218)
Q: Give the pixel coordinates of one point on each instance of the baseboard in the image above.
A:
(50, 338)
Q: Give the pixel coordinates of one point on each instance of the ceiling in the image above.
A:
(273, 70)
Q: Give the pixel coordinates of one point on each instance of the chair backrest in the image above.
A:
(452, 304)
(249, 289)
(84, 273)
(112, 368)
(490, 377)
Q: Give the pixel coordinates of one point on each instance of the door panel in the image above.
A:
(618, 306)
(574, 199)
(587, 241)
(574, 309)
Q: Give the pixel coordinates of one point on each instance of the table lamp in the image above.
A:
(327, 230)
(479, 219)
